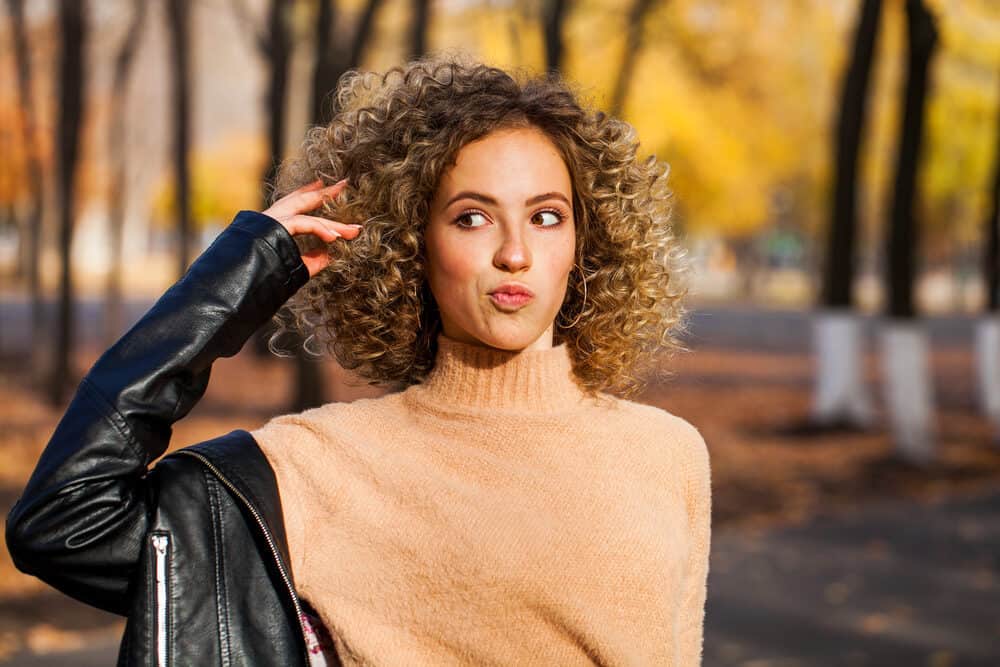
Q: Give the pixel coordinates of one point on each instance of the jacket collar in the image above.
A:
(241, 462)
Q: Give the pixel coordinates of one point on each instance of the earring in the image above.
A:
(584, 305)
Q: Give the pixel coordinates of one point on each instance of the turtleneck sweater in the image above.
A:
(496, 514)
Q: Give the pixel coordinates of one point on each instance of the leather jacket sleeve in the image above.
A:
(80, 523)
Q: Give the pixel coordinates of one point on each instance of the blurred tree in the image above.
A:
(325, 73)
(113, 319)
(734, 110)
(419, 26)
(841, 398)
(988, 327)
(331, 61)
(335, 58)
(838, 276)
(309, 385)
(959, 169)
(991, 226)
(553, 19)
(275, 49)
(908, 385)
(274, 46)
(179, 23)
(633, 46)
(309, 388)
(32, 226)
(69, 109)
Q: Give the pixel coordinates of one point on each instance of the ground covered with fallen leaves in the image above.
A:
(768, 468)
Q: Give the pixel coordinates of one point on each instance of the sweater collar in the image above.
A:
(476, 376)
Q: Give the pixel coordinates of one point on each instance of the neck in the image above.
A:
(476, 376)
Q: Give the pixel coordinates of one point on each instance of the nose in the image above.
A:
(513, 255)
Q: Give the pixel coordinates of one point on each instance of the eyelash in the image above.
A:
(559, 214)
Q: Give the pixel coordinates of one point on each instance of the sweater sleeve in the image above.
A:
(691, 615)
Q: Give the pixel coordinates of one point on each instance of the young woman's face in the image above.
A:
(502, 216)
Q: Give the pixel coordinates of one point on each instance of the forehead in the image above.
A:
(508, 162)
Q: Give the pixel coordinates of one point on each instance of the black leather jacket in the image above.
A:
(193, 550)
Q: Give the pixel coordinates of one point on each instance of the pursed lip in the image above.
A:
(513, 288)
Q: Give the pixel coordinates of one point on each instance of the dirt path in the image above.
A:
(904, 583)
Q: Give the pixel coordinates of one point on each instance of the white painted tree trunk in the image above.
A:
(841, 393)
(908, 391)
(988, 370)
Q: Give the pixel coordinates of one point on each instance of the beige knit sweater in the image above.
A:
(494, 515)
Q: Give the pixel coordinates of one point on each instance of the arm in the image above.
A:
(81, 519)
(691, 615)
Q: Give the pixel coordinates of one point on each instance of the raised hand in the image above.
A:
(290, 212)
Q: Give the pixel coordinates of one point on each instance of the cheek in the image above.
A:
(451, 270)
(452, 265)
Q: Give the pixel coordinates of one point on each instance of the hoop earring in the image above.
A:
(584, 305)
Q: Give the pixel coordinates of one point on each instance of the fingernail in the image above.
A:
(355, 226)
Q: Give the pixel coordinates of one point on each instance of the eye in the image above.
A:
(470, 215)
(558, 215)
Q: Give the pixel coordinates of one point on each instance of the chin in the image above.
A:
(505, 333)
(512, 341)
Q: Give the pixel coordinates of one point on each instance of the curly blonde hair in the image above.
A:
(393, 135)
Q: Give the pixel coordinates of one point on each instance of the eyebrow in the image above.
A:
(486, 199)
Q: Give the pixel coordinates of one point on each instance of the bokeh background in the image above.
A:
(834, 165)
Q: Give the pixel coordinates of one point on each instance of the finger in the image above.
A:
(325, 229)
(300, 202)
(316, 261)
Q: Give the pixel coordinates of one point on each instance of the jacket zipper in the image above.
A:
(161, 543)
(267, 536)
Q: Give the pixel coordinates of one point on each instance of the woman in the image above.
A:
(512, 271)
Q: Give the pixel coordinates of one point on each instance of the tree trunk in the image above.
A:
(32, 225)
(278, 56)
(988, 328)
(178, 19)
(554, 18)
(308, 391)
(988, 369)
(909, 397)
(839, 269)
(366, 24)
(837, 402)
(114, 316)
(633, 46)
(908, 393)
(331, 63)
(324, 68)
(419, 27)
(841, 398)
(73, 35)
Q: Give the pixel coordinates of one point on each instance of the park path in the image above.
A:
(899, 583)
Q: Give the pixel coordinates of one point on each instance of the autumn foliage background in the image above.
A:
(738, 97)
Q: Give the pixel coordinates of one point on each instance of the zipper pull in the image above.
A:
(160, 544)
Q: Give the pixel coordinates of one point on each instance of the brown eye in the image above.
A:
(468, 214)
(556, 215)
